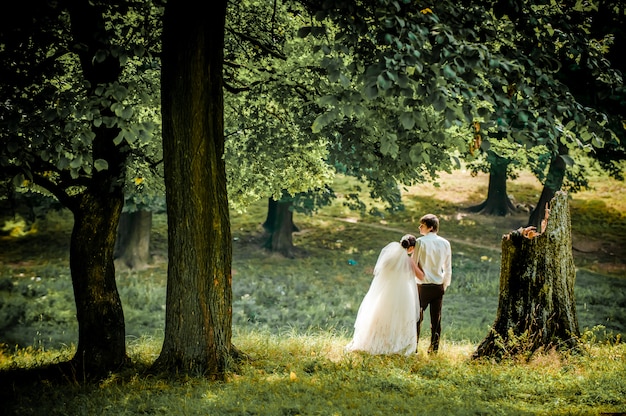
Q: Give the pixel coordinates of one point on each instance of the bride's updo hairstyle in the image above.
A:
(407, 241)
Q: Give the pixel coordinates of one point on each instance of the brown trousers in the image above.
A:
(431, 295)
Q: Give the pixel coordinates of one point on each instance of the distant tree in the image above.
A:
(498, 201)
(144, 196)
(270, 83)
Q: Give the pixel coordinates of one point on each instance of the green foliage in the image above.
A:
(268, 108)
(416, 74)
(56, 112)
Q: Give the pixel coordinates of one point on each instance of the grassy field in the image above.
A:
(294, 316)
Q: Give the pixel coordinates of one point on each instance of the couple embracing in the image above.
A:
(409, 276)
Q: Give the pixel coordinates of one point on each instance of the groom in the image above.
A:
(433, 254)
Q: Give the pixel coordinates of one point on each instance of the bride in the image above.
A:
(387, 319)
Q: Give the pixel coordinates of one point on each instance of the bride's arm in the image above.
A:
(416, 269)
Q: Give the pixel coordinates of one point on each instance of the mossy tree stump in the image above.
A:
(536, 308)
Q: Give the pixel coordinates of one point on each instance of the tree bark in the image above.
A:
(280, 227)
(554, 181)
(132, 247)
(537, 308)
(101, 328)
(497, 202)
(199, 294)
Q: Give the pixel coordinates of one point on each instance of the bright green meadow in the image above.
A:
(293, 317)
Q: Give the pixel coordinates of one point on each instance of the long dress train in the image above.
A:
(387, 319)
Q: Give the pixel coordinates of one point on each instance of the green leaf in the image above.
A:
(597, 141)
(63, 163)
(76, 162)
(371, 91)
(344, 81)
(523, 116)
(18, 180)
(448, 72)
(382, 82)
(403, 80)
(415, 154)
(407, 120)
(119, 138)
(120, 92)
(87, 137)
(326, 100)
(388, 145)
(440, 103)
(322, 121)
(127, 113)
(100, 164)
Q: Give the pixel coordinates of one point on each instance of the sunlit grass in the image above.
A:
(310, 373)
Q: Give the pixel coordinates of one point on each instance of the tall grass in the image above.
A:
(293, 317)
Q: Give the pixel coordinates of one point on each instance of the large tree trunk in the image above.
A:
(198, 315)
(279, 227)
(497, 202)
(554, 181)
(101, 329)
(537, 307)
(132, 247)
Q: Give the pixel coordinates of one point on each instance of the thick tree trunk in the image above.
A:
(554, 181)
(537, 307)
(497, 202)
(132, 247)
(280, 227)
(199, 294)
(101, 329)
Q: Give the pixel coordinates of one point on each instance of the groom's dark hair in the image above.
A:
(430, 220)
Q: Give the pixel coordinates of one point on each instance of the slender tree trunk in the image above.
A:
(497, 202)
(199, 294)
(280, 227)
(132, 247)
(554, 181)
(101, 329)
(537, 308)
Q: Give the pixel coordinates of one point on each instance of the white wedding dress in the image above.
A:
(387, 319)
